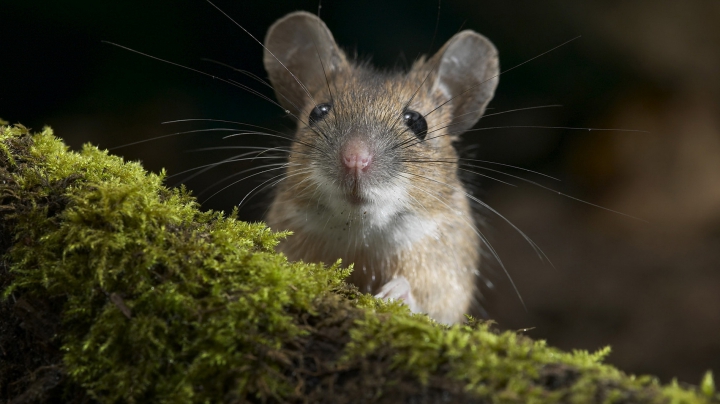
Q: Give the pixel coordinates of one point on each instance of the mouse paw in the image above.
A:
(399, 289)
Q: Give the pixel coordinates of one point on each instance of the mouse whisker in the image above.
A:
(305, 89)
(462, 169)
(243, 179)
(262, 149)
(259, 80)
(292, 140)
(487, 176)
(298, 195)
(304, 190)
(239, 133)
(276, 166)
(477, 231)
(171, 135)
(418, 141)
(256, 78)
(483, 168)
(205, 167)
(226, 81)
(538, 250)
(509, 166)
(430, 71)
(538, 185)
(283, 177)
(555, 127)
(462, 159)
(266, 129)
(472, 118)
(499, 74)
(448, 246)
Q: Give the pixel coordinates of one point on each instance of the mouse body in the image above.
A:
(372, 174)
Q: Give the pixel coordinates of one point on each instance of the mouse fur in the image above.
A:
(360, 184)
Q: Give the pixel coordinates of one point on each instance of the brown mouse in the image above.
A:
(372, 176)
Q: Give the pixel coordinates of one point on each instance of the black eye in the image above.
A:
(416, 122)
(319, 112)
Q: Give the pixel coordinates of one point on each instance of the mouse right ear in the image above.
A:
(299, 53)
(467, 74)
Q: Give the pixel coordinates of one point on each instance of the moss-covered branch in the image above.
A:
(116, 288)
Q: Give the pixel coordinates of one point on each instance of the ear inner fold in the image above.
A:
(299, 52)
(467, 74)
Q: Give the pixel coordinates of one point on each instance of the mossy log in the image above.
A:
(116, 288)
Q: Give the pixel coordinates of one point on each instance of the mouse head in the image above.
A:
(371, 137)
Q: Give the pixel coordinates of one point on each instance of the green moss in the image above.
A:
(142, 297)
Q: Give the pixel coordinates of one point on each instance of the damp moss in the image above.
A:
(122, 290)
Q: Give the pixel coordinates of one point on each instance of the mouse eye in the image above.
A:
(416, 122)
(319, 112)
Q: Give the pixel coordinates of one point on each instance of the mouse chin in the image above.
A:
(363, 197)
(355, 199)
(356, 195)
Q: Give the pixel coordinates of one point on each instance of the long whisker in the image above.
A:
(483, 238)
(286, 176)
(264, 47)
(418, 141)
(233, 159)
(170, 135)
(259, 80)
(227, 81)
(430, 71)
(211, 186)
(296, 196)
(195, 131)
(222, 121)
(436, 127)
(449, 247)
(559, 127)
(535, 247)
(509, 166)
(263, 149)
(474, 172)
(224, 80)
(208, 167)
(444, 124)
(558, 192)
(293, 140)
(243, 179)
(451, 161)
(501, 73)
(273, 131)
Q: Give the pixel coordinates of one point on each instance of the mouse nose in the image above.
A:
(356, 156)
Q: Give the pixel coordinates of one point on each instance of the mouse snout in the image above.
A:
(355, 156)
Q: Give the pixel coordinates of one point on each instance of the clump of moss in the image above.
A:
(117, 288)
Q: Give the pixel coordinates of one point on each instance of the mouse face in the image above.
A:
(363, 147)
(370, 141)
(371, 176)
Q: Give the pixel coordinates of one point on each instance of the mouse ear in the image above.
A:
(467, 74)
(299, 53)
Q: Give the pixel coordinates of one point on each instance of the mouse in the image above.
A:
(372, 171)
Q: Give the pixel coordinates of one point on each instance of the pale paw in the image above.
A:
(399, 289)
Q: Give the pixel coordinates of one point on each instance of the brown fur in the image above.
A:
(441, 260)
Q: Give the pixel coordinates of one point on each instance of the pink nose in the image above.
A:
(356, 155)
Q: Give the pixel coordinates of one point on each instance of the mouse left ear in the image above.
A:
(300, 54)
(467, 70)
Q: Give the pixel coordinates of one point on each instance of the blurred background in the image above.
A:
(650, 288)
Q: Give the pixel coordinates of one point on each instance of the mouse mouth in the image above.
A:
(354, 195)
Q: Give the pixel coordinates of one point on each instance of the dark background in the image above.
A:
(651, 288)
